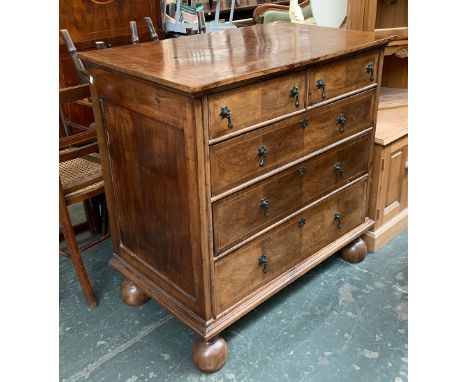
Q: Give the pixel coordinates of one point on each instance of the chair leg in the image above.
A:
(75, 256)
(96, 205)
(92, 215)
(101, 200)
(105, 219)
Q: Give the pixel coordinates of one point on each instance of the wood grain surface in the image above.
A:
(240, 273)
(256, 103)
(240, 215)
(199, 63)
(236, 161)
(342, 77)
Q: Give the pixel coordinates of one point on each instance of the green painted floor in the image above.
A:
(339, 322)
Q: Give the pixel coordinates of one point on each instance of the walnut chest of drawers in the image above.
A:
(234, 162)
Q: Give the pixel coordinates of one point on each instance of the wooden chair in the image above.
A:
(80, 181)
(267, 13)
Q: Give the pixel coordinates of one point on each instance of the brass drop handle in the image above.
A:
(321, 85)
(294, 92)
(341, 120)
(338, 169)
(304, 123)
(264, 204)
(302, 222)
(262, 153)
(337, 218)
(226, 113)
(370, 70)
(302, 171)
(263, 261)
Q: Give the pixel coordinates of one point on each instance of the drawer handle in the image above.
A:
(304, 123)
(302, 222)
(302, 171)
(341, 120)
(338, 218)
(262, 153)
(370, 70)
(263, 261)
(321, 85)
(264, 203)
(226, 113)
(338, 169)
(294, 92)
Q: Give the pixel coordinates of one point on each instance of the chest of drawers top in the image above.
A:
(208, 63)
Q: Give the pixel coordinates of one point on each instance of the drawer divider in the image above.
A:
(341, 96)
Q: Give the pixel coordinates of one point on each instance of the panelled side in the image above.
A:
(151, 151)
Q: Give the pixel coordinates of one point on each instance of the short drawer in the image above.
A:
(240, 159)
(244, 271)
(240, 215)
(239, 108)
(331, 80)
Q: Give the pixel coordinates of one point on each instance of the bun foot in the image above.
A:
(209, 356)
(354, 252)
(131, 294)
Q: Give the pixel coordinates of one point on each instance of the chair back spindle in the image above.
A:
(134, 32)
(82, 73)
(152, 30)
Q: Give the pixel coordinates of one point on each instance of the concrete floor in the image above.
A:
(339, 322)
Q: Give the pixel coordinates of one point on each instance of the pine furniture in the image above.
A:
(234, 162)
(388, 204)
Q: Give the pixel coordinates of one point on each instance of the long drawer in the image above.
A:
(245, 157)
(331, 80)
(248, 211)
(239, 108)
(242, 272)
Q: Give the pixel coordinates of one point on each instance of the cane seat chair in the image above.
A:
(80, 181)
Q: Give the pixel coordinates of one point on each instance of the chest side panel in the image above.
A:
(152, 170)
(150, 180)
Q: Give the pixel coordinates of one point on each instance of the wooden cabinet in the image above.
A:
(389, 191)
(212, 210)
(385, 17)
(89, 21)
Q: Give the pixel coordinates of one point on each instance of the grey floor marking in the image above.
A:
(85, 373)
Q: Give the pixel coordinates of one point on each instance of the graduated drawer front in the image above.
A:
(237, 160)
(239, 274)
(240, 215)
(256, 103)
(342, 76)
